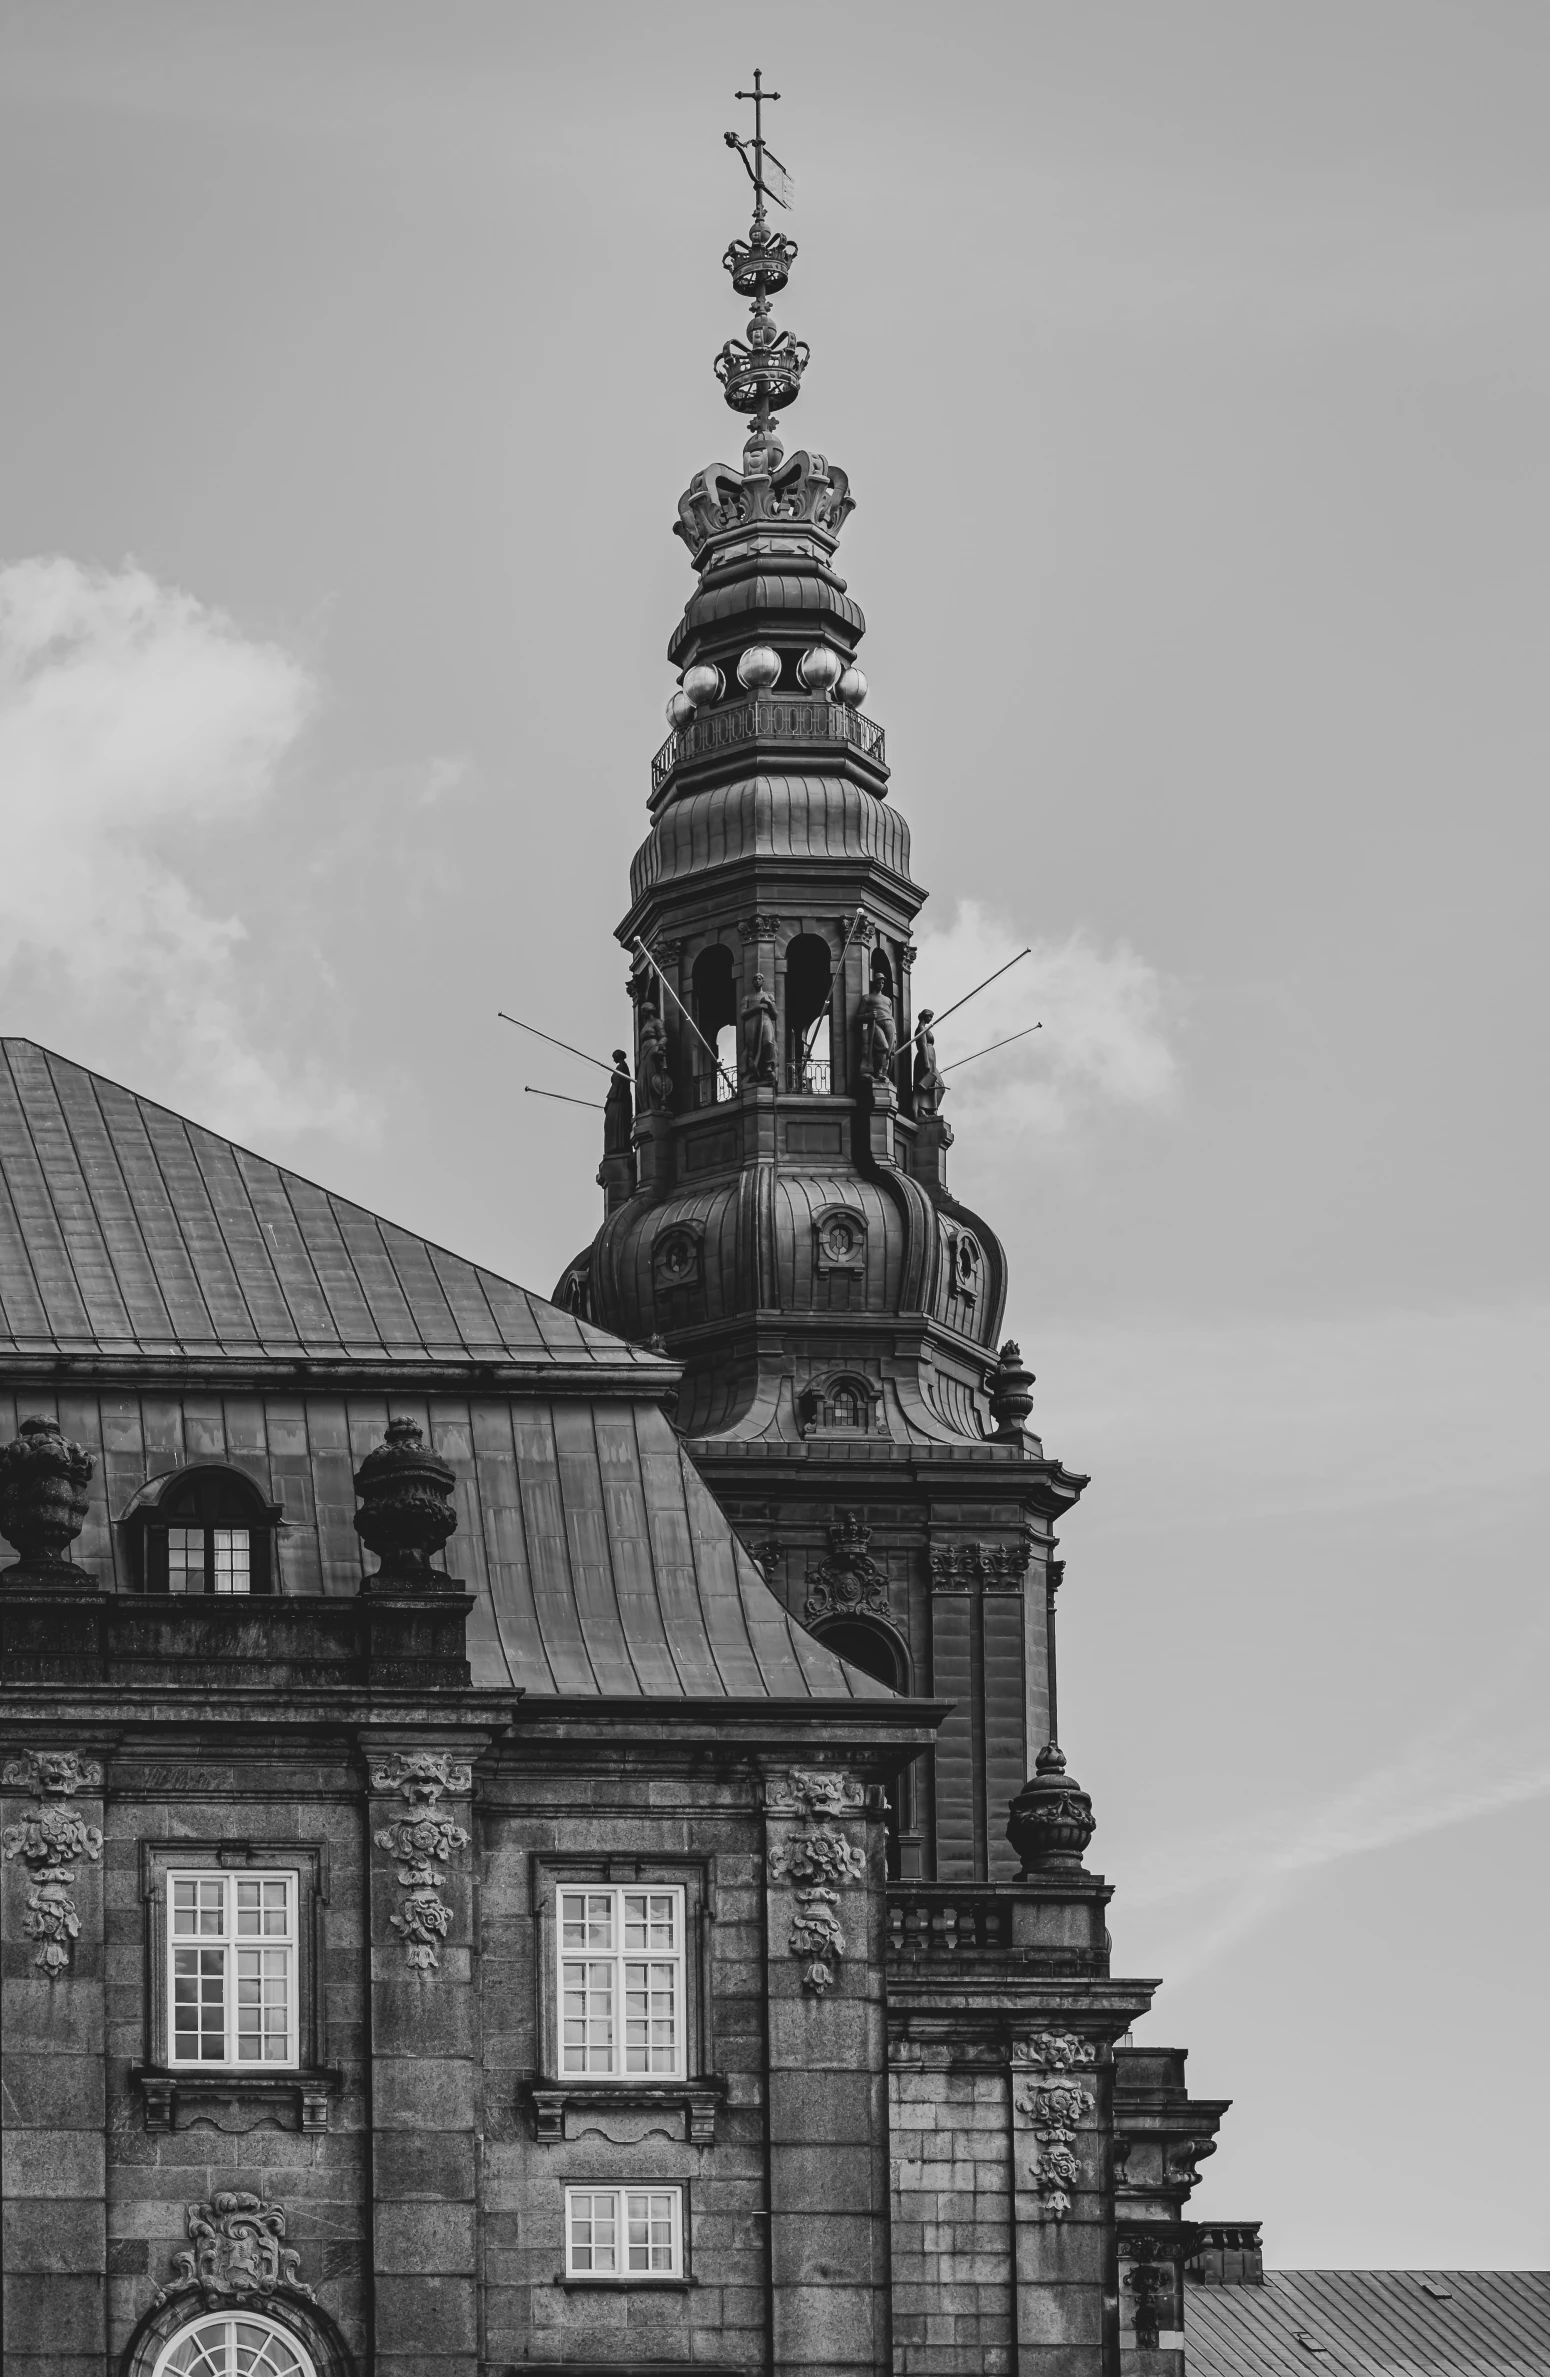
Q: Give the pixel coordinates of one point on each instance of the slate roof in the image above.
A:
(600, 1564)
(1379, 2323)
(125, 1229)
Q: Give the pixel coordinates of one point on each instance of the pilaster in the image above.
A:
(53, 2038)
(425, 2053)
(828, 2115)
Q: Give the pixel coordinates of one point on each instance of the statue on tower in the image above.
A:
(930, 1088)
(757, 1035)
(618, 1107)
(879, 1032)
(653, 1082)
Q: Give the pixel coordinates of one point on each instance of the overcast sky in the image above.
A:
(1190, 364)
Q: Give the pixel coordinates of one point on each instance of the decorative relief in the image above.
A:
(839, 1237)
(423, 1843)
(849, 1583)
(52, 1772)
(758, 927)
(51, 1840)
(822, 1856)
(816, 1791)
(1054, 2051)
(236, 2252)
(1056, 2114)
(817, 1936)
(994, 1567)
(675, 1258)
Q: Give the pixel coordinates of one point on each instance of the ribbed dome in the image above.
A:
(770, 817)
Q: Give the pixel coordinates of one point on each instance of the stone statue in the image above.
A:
(757, 1038)
(653, 1082)
(618, 1107)
(930, 1088)
(879, 1036)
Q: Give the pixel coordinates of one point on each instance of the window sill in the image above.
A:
(626, 2112)
(638, 2284)
(234, 2097)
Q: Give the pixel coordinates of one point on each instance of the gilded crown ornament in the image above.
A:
(762, 374)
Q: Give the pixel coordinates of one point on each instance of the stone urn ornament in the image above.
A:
(1051, 1821)
(44, 1477)
(406, 1511)
(1010, 1387)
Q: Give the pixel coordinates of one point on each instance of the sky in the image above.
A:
(1190, 362)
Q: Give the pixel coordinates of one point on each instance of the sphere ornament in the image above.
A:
(759, 668)
(1051, 1821)
(406, 1496)
(43, 1503)
(852, 688)
(680, 712)
(820, 668)
(703, 683)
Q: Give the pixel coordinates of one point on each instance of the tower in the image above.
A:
(778, 1213)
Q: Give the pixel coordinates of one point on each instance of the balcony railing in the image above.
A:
(935, 1923)
(812, 1080)
(795, 720)
(713, 1089)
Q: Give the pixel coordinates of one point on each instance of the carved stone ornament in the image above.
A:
(1056, 2114)
(51, 1841)
(1052, 1819)
(43, 1504)
(236, 2253)
(849, 1583)
(758, 927)
(821, 1855)
(1010, 1387)
(423, 1843)
(816, 1936)
(839, 1241)
(816, 1791)
(1054, 2051)
(994, 1567)
(52, 1774)
(406, 1496)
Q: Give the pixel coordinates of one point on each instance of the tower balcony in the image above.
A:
(793, 721)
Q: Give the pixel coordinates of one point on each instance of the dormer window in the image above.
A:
(204, 1531)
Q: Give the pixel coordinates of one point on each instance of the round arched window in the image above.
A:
(242, 2346)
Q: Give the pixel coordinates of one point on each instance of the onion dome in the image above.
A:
(1051, 1821)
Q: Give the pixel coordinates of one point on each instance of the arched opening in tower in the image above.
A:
(714, 991)
(861, 1644)
(808, 970)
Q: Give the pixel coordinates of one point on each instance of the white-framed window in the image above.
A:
(232, 1979)
(245, 2346)
(630, 2233)
(621, 1982)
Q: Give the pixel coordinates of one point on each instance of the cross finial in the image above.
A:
(758, 95)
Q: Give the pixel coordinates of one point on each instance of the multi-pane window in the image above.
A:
(231, 1939)
(624, 2232)
(209, 1532)
(621, 1983)
(247, 2346)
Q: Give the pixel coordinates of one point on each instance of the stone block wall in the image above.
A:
(951, 2183)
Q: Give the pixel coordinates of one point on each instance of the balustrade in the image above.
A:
(783, 721)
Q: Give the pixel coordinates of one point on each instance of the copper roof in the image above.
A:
(125, 1229)
(1380, 2323)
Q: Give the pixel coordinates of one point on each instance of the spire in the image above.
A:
(764, 374)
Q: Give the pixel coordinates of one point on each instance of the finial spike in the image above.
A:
(764, 374)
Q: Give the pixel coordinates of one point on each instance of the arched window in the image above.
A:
(808, 968)
(845, 1409)
(205, 1531)
(244, 2345)
(876, 1652)
(714, 991)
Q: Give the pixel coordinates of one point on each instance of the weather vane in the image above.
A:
(764, 375)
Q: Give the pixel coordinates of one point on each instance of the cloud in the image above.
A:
(1255, 1869)
(134, 720)
(1103, 1043)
